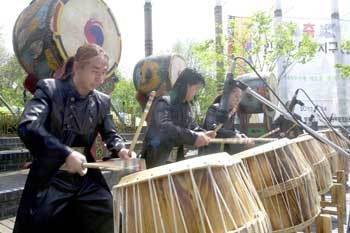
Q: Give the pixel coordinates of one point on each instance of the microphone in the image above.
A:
(224, 107)
(295, 101)
(331, 118)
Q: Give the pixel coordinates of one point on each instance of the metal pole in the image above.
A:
(148, 28)
(219, 48)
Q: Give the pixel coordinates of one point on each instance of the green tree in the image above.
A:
(124, 101)
(267, 44)
(344, 69)
(11, 82)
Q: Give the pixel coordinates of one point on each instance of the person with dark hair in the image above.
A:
(172, 124)
(227, 130)
(59, 126)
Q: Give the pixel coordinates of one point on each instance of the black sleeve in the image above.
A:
(169, 132)
(210, 124)
(108, 131)
(40, 142)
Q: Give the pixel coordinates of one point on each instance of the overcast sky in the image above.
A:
(175, 20)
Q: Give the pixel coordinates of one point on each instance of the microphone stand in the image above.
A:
(286, 114)
(325, 119)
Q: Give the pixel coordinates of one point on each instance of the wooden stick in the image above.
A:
(117, 165)
(291, 128)
(240, 140)
(269, 133)
(143, 118)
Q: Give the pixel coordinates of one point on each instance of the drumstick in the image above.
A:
(143, 118)
(240, 140)
(291, 128)
(269, 133)
(117, 165)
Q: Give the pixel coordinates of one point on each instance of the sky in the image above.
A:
(175, 20)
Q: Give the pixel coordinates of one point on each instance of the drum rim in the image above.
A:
(302, 138)
(222, 159)
(264, 148)
(172, 57)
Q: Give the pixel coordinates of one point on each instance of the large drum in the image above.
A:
(157, 72)
(343, 162)
(249, 104)
(316, 156)
(332, 157)
(207, 194)
(285, 183)
(47, 32)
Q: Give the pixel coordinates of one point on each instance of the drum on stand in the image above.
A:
(343, 162)
(48, 32)
(285, 183)
(317, 159)
(207, 194)
(332, 156)
(157, 73)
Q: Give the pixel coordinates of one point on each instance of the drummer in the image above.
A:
(59, 126)
(172, 124)
(227, 130)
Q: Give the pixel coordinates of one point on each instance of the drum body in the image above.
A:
(153, 72)
(248, 103)
(343, 163)
(207, 194)
(332, 157)
(285, 183)
(316, 156)
(48, 32)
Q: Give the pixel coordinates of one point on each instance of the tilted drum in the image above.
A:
(207, 194)
(285, 183)
(316, 156)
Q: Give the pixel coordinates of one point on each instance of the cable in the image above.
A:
(322, 114)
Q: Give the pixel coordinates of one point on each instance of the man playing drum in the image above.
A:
(172, 124)
(59, 126)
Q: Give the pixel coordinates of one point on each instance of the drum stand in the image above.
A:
(337, 205)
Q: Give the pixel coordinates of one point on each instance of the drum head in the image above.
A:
(151, 72)
(177, 65)
(76, 23)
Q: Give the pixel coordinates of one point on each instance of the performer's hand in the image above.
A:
(125, 154)
(74, 163)
(211, 133)
(202, 140)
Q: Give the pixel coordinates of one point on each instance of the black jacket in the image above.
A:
(226, 131)
(56, 119)
(171, 125)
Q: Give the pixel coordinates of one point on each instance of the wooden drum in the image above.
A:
(316, 157)
(207, 194)
(343, 163)
(332, 157)
(285, 183)
(48, 32)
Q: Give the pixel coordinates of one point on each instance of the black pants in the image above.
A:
(73, 204)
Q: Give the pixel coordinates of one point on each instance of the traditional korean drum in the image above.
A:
(48, 32)
(331, 155)
(207, 194)
(285, 183)
(317, 159)
(343, 163)
(157, 73)
(248, 103)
